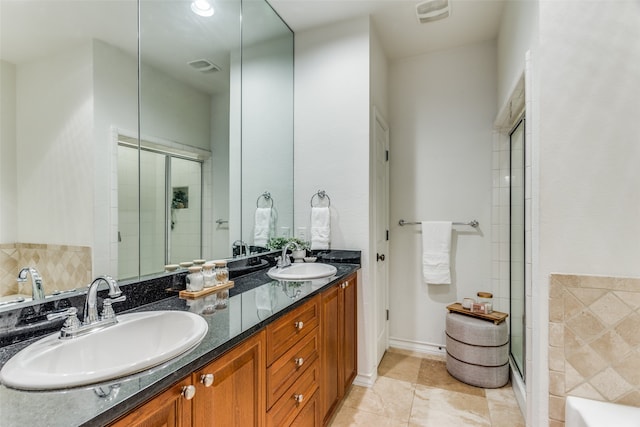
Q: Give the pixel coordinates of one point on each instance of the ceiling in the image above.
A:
(395, 21)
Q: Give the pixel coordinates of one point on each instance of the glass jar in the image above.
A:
(221, 272)
(195, 280)
(222, 299)
(486, 298)
(208, 275)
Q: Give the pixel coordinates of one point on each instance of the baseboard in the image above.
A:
(365, 380)
(418, 347)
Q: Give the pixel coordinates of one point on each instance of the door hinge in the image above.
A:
(386, 155)
(387, 235)
(387, 314)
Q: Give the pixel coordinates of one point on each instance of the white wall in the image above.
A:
(216, 236)
(379, 76)
(173, 110)
(442, 108)
(332, 145)
(115, 88)
(55, 149)
(587, 133)
(518, 30)
(267, 131)
(8, 167)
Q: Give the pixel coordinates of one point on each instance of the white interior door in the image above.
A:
(381, 221)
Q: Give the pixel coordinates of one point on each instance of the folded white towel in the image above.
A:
(262, 229)
(436, 247)
(320, 227)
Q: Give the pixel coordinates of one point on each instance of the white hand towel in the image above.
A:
(320, 227)
(436, 247)
(262, 227)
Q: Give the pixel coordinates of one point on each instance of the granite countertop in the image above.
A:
(255, 301)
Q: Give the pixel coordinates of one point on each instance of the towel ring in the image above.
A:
(321, 194)
(267, 196)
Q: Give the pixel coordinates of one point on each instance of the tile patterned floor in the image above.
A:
(416, 390)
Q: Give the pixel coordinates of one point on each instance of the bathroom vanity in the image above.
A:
(280, 353)
(295, 371)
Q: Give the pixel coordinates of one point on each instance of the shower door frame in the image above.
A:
(519, 364)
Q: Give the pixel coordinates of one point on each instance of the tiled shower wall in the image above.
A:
(594, 341)
(62, 267)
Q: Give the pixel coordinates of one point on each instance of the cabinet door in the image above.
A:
(349, 340)
(329, 389)
(168, 409)
(231, 390)
(310, 414)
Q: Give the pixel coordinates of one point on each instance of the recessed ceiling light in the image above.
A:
(202, 8)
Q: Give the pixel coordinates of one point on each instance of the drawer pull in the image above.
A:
(299, 362)
(299, 325)
(343, 285)
(207, 380)
(298, 398)
(188, 392)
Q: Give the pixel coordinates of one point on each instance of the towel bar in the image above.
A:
(472, 223)
(267, 196)
(321, 194)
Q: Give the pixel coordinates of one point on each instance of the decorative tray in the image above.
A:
(206, 291)
(496, 316)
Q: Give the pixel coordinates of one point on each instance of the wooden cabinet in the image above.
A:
(338, 356)
(172, 408)
(293, 373)
(230, 391)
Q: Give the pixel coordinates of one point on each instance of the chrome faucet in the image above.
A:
(91, 303)
(241, 244)
(283, 260)
(37, 290)
(73, 327)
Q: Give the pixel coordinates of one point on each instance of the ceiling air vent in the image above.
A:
(204, 66)
(432, 10)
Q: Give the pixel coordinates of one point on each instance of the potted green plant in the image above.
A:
(298, 253)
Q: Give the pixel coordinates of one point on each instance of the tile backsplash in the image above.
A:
(594, 341)
(62, 267)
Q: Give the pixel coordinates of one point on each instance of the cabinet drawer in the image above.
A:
(295, 399)
(286, 369)
(286, 331)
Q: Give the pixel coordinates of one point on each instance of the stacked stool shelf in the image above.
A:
(477, 347)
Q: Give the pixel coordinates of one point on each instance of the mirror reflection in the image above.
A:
(61, 99)
(267, 125)
(118, 162)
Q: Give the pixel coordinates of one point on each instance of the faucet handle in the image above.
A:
(72, 321)
(119, 299)
(71, 311)
(107, 310)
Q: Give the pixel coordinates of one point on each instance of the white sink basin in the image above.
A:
(302, 271)
(137, 342)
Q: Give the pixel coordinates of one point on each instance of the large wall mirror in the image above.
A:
(135, 134)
